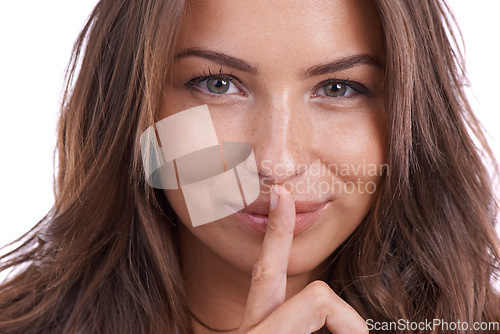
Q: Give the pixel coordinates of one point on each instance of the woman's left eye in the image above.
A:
(335, 89)
(218, 85)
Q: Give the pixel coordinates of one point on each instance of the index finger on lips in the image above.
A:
(268, 285)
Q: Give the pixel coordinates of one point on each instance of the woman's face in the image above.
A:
(302, 83)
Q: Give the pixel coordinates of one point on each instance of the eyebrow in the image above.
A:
(220, 58)
(343, 63)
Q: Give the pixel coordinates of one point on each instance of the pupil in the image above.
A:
(336, 90)
(218, 85)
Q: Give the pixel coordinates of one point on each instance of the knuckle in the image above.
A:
(327, 303)
(260, 273)
(320, 292)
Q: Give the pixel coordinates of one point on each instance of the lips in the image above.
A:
(255, 216)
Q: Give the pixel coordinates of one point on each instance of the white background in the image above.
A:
(36, 40)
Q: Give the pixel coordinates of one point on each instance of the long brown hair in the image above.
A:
(105, 258)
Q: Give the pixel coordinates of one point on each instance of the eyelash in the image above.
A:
(196, 79)
(357, 87)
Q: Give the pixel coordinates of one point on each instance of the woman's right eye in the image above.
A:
(215, 85)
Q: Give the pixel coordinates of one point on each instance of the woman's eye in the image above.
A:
(336, 89)
(216, 85)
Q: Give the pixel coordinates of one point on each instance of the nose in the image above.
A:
(282, 139)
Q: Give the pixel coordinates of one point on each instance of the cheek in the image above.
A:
(356, 145)
(355, 156)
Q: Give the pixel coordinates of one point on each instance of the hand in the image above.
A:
(306, 312)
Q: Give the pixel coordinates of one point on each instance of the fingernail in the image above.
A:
(274, 198)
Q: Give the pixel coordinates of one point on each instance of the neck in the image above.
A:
(217, 290)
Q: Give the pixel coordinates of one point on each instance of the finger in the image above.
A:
(268, 285)
(311, 309)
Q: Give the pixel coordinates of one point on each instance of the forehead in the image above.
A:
(284, 32)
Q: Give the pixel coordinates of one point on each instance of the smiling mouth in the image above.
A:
(255, 216)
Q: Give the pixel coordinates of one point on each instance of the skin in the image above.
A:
(293, 127)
